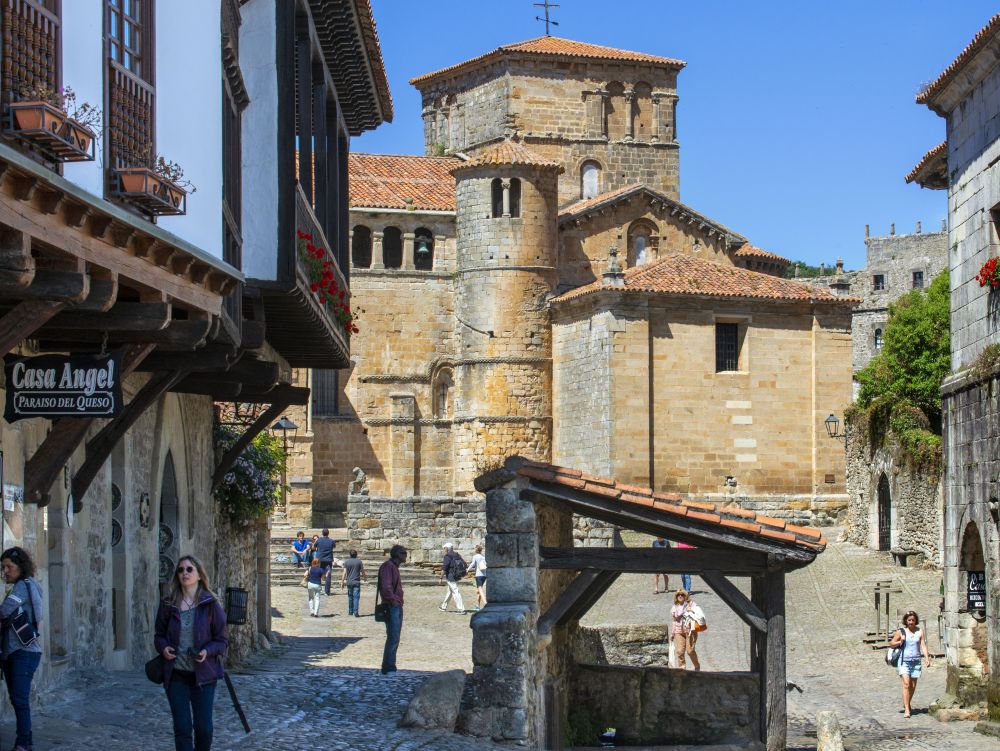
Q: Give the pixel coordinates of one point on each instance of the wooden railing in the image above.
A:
(131, 118)
(31, 48)
(306, 221)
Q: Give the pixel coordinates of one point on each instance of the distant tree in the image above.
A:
(808, 272)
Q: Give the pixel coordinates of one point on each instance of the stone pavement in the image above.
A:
(322, 686)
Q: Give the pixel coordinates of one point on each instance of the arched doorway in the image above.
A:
(970, 676)
(884, 514)
(169, 531)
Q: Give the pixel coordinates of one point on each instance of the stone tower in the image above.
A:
(506, 228)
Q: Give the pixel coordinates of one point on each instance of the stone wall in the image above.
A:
(639, 646)
(421, 524)
(917, 498)
(657, 705)
(236, 565)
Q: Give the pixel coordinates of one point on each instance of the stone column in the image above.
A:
(654, 136)
(403, 411)
(408, 251)
(430, 137)
(630, 114)
(605, 96)
(505, 184)
(377, 262)
(440, 245)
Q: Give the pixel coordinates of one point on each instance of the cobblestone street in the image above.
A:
(322, 684)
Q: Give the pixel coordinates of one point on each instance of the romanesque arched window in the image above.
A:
(496, 197)
(361, 247)
(515, 197)
(392, 248)
(443, 383)
(590, 179)
(643, 242)
(423, 249)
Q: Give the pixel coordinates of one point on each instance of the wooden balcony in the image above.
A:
(300, 327)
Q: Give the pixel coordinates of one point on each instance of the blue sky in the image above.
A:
(796, 119)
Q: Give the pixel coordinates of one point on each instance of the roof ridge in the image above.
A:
(931, 90)
(405, 156)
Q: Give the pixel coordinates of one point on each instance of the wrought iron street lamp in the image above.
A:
(833, 427)
(284, 425)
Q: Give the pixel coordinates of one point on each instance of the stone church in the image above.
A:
(535, 286)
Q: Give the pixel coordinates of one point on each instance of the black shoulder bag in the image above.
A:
(23, 624)
(381, 608)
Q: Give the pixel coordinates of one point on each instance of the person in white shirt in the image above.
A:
(479, 566)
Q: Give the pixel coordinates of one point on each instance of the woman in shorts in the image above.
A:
(911, 639)
(479, 566)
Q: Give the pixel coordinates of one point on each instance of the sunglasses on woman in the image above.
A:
(187, 569)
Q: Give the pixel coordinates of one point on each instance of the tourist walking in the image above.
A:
(300, 550)
(354, 574)
(21, 612)
(685, 578)
(478, 566)
(911, 640)
(683, 633)
(453, 569)
(324, 551)
(190, 633)
(314, 581)
(390, 589)
(659, 543)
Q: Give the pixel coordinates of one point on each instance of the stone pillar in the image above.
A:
(403, 412)
(605, 96)
(629, 115)
(505, 184)
(440, 245)
(654, 136)
(430, 137)
(408, 251)
(377, 262)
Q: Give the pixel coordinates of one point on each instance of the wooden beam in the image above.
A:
(16, 263)
(735, 599)
(220, 391)
(48, 284)
(123, 316)
(578, 597)
(41, 470)
(103, 291)
(75, 214)
(293, 396)
(655, 560)
(99, 448)
(260, 424)
(24, 320)
(199, 361)
(651, 521)
(775, 706)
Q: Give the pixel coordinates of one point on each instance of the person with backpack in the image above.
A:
(453, 569)
(21, 614)
(912, 644)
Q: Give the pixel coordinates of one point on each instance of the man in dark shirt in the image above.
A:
(452, 579)
(390, 588)
(324, 551)
(354, 574)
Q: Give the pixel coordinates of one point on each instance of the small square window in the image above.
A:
(727, 347)
(878, 282)
(918, 280)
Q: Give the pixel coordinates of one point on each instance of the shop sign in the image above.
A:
(977, 590)
(63, 386)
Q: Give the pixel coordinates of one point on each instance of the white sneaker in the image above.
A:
(443, 608)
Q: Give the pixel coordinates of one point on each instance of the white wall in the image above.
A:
(260, 142)
(189, 112)
(83, 70)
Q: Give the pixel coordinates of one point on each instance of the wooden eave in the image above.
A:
(932, 170)
(112, 243)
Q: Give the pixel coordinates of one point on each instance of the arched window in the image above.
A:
(443, 383)
(590, 179)
(515, 197)
(496, 197)
(361, 247)
(878, 340)
(392, 248)
(642, 243)
(423, 249)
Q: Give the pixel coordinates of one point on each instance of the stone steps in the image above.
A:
(285, 574)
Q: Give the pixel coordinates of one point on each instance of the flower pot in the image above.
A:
(139, 180)
(38, 116)
(79, 135)
(172, 194)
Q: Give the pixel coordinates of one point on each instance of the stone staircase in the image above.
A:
(285, 574)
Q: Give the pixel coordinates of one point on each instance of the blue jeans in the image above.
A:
(393, 628)
(327, 575)
(18, 670)
(686, 582)
(187, 698)
(353, 598)
(300, 557)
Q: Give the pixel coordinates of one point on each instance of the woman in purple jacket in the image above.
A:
(191, 636)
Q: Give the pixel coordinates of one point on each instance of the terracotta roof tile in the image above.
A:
(979, 41)
(684, 275)
(752, 251)
(507, 153)
(390, 181)
(930, 167)
(552, 46)
(733, 518)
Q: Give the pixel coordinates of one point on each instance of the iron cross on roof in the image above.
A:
(546, 4)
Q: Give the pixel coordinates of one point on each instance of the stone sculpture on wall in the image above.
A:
(359, 486)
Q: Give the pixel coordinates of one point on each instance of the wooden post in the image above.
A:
(774, 709)
(758, 653)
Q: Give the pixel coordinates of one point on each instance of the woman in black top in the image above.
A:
(313, 581)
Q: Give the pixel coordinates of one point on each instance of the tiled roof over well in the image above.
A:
(752, 251)
(932, 169)
(730, 518)
(684, 275)
(388, 181)
(556, 47)
(979, 41)
(507, 153)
